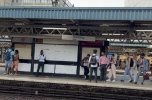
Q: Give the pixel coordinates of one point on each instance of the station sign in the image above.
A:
(23, 40)
(78, 38)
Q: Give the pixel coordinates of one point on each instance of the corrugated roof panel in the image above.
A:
(98, 13)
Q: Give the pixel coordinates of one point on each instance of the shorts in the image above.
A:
(8, 63)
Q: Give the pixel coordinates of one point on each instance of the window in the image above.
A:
(37, 1)
(17, 1)
(41, 1)
(49, 1)
(28, 1)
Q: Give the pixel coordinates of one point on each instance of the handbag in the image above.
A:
(82, 62)
(146, 76)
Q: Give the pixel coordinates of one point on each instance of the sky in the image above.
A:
(98, 3)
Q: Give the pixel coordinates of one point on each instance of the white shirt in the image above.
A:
(42, 58)
(97, 58)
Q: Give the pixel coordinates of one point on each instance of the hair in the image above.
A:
(113, 55)
(17, 51)
(135, 57)
(88, 54)
(103, 52)
(12, 47)
(127, 53)
(142, 54)
(41, 51)
(94, 51)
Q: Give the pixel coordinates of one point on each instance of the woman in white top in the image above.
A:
(112, 71)
(133, 70)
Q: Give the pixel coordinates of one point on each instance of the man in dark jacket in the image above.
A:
(85, 65)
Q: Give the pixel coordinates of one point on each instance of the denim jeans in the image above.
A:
(95, 72)
(127, 72)
(103, 72)
(86, 71)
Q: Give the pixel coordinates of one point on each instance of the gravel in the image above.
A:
(21, 97)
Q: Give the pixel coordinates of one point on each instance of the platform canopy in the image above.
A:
(117, 25)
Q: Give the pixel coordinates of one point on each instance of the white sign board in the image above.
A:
(78, 38)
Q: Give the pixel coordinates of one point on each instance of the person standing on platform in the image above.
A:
(93, 62)
(103, 63)
(41, 63)
(143, 67)
(9, 58)
(112, 71)
(85, 65)
(120, 63)
(127, 69)
(15, 63)
(133, 70)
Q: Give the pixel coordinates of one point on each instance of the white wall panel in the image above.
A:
(24, 67)
(48, 68)
(24, 51)
(57, 52)
(89, 50)
(65, 69)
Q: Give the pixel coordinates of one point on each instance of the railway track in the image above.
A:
(69, 92)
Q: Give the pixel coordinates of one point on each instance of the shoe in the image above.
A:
(142, 83)
(11, 74)
(122, 81)
(135, 83)
(15, 74)
(114, 81)
(4, 73)
(131, 81)
(36, 76)
(108, 80)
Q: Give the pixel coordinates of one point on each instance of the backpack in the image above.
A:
(81, 63)
(131, 62)
(93, 60)
(7, 56)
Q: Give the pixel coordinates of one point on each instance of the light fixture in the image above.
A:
(145, 30)
(55, 28)
(111, 34)
(63, 24)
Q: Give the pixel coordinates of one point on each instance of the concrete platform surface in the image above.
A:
(78, 81)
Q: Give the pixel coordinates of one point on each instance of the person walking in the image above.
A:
(143, 67)
(41, 63)
(93, 62)
(85, 66)
(103, 63)
(127, 68)
(9, 58)
(133, 70)
(15, 63)
(112, 71)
